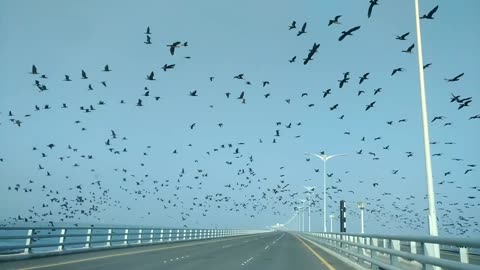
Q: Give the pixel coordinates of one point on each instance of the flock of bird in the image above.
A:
(246, 193)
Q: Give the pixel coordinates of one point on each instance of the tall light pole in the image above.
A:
(432, 213)
(361, 205)
(303, 213)
(309, 191)
(324, 158)
(331, 222)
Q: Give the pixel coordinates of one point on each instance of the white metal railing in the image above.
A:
(400, 252)
(25, 242)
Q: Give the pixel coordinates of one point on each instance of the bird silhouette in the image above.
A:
(293, 25)
(456, 78)
(165, 67)
(348, 32)
(335, 20)
(430, 14)
(151, 76)
(302, 31)
(403, 37)
(409, 50)
(369, 106)
(34, 70)
(148, 41)
(397, 70)
(370, 8)
(363, 78)
(173, 46)
(193, 94)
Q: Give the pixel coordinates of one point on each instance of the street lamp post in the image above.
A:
(324, 158)
(331, 222)
(303, 214)
(432, 213)
(309, 191)
(361, 205)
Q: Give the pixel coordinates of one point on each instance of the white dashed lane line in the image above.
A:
(247, 261)
(176, 259)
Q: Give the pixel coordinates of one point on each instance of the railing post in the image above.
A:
(413, 247)
(184, 234)
(89, 237)
(374, 253)
(109, 238)
(190, 234)
(428, 250)
(161, 235)
(178, 234)
(139, 236)
(61, 246)
(28, 242)
(464, 254)
(125, 237)
(151, 236)
(395, 245)
(170, 235)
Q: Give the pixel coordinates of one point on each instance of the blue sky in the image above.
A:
(227, 38)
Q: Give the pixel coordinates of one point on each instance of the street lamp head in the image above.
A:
(325, 157)
(310, 189)
(361, 205)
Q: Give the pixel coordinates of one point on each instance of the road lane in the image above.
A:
(277, 250)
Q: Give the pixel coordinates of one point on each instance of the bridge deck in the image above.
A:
(277, 250)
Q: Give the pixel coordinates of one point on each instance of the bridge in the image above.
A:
(173, 248)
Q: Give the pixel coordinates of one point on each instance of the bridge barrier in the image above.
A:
(394, 252)
(28, 242)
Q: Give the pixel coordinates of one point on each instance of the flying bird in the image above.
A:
(348, 33)
(150, 77)
(409, 50)
(193, 93)
(173, 46)
(293, 25)
(335, 20)
(106, 68)
(370, 8)
(403, 37)
(34, 70)
(430, 14)
(302, 31)
(165, 67)
(455, 79)
(311, 52)
(364, 77)
(293, 59)
(148, 31)
(84, 75)
(148, 41)
(369, 106)
(397, 70)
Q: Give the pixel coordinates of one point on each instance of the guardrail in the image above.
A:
(27, 242)
(396, 252)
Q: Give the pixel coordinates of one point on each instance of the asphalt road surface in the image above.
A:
(276, 250)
